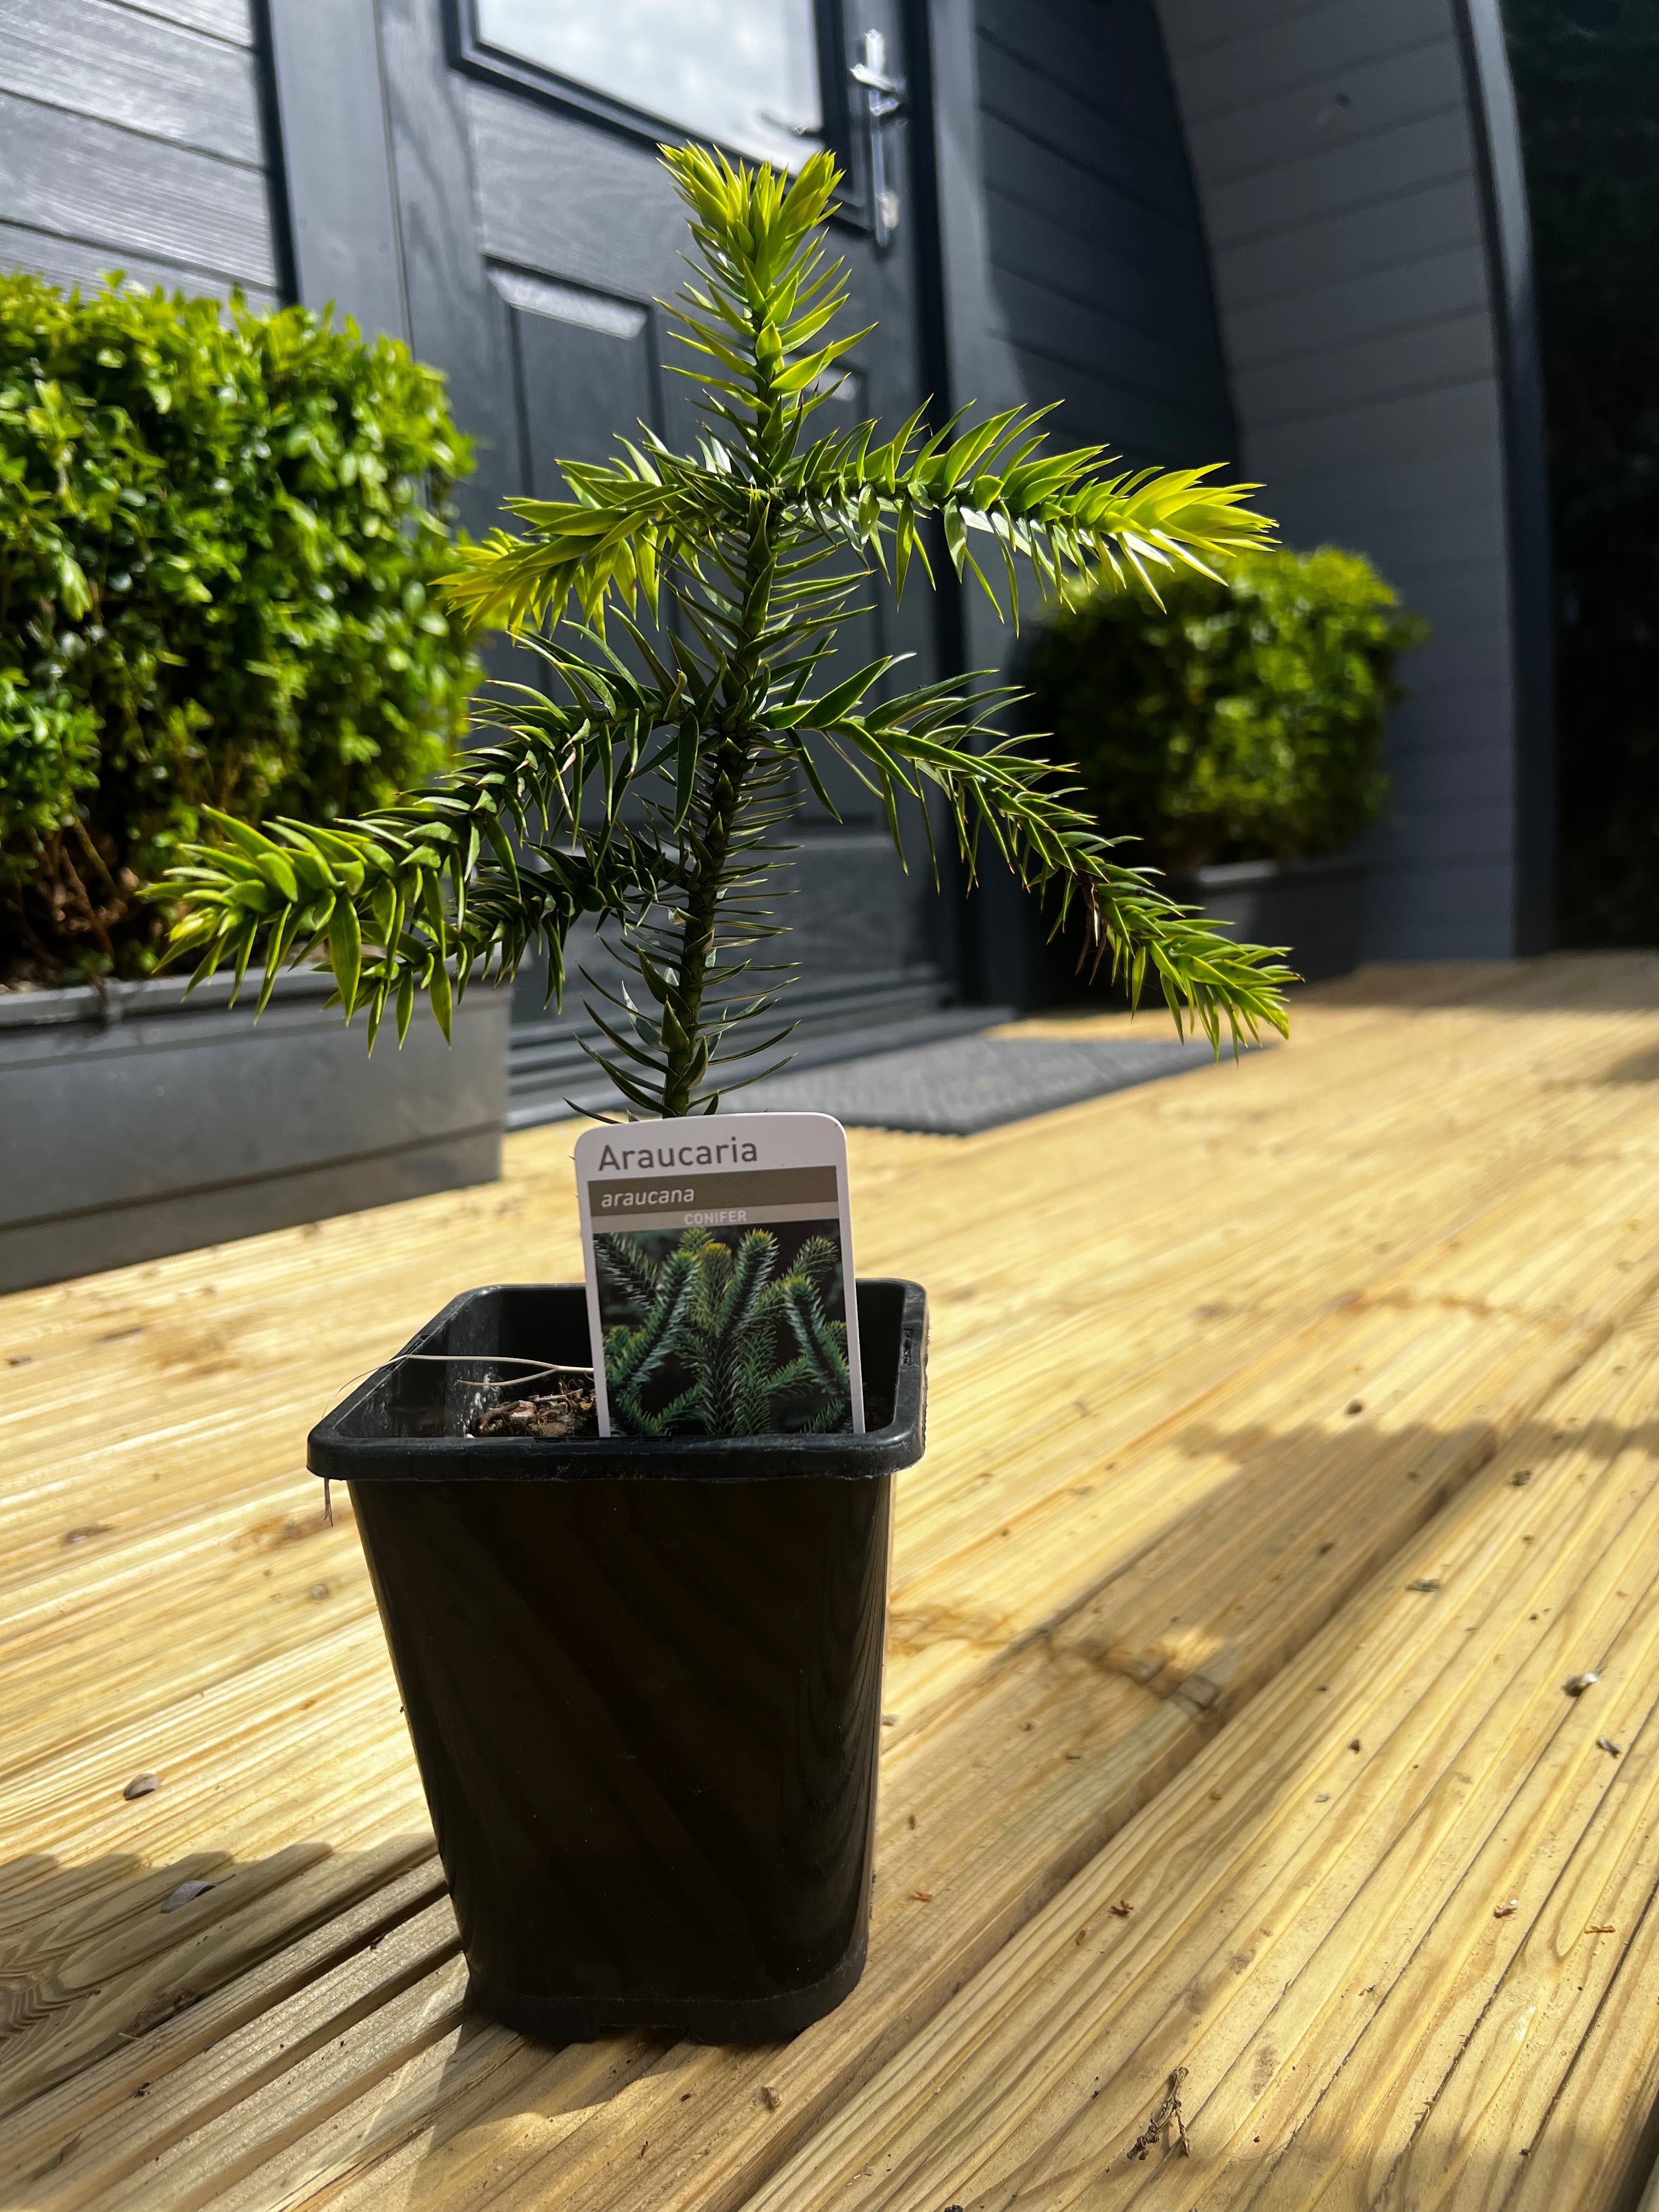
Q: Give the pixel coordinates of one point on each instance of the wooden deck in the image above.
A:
(1292, 1443)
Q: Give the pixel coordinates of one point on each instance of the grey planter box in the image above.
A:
(1316, 906)
(134, 1124)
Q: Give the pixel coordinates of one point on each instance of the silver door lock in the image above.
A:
(886, 101)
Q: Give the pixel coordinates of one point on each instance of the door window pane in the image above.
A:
(743, 72)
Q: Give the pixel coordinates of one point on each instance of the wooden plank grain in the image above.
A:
(230, 19)
(696, 2158)
(70, 263)
(156, 78)
(1413, 78)
(1312, 47)
(1434, 1203)
(1258, 1915)
(350, 1915)
(93, 182)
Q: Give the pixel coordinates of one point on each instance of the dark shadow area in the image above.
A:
(1586, 80)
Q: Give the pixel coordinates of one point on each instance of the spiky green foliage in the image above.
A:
(727, 1346)
(723, 576)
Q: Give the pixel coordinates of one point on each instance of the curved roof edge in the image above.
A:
(1359, 173)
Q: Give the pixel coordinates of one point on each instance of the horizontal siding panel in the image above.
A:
(91, 181)
(1462, 656)
(1396, 232)
(1414, 492)
(1363, 308)
(1424, 732)
(1438, 911)
(1352, 287)
(1418, 426)
(1343, 109)
(1193, 27)
(1458, 596)
(1467, 605)
(1039, 169)
(1481, 828)
(1094, 342)
(231, 20)
(1098, 274)
(119, 67)
(1034, 178)
(1330, 378)
(1101, 409)
(68, 262)
(1460, 663)
(1083, 41)
(1459, 587)
(1412, 501)
(1467, 724)
(1159, 285)
(1433, 149)
(1306, 49)
(1080, 101)
(1449, 723)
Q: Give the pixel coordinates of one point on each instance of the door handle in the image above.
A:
(885, 100)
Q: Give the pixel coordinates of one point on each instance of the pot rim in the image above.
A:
(1227, 875)
(87, 1005)
(335, 1456)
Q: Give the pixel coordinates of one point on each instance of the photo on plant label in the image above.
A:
(727, 1332)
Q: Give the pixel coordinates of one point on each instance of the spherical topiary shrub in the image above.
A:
(1242, 721)
(219, 533)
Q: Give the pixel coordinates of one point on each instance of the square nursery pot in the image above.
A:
(134, 1122)
(1315, 907)
(643, 1679)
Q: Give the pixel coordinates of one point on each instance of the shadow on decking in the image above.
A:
(350, 2021)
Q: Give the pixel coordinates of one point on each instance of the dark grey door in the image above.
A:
(538, 233)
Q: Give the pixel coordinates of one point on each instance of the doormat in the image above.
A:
(965, 1085)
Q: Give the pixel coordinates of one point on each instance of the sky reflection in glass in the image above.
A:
(742, 72)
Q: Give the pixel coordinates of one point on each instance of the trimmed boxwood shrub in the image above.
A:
(219, 533)
(1242, 721)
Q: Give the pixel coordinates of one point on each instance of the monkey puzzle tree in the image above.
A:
(653, 791)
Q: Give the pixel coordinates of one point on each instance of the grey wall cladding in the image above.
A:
(131, 138)
(1336, 162)
(1099, 287)
(1073, 269)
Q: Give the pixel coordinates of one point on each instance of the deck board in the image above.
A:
(1147, 1513)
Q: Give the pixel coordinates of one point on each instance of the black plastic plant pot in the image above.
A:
(643, 1679)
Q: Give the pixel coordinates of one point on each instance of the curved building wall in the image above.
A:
(1099, 286)
(1073, 268)
(1371, 282)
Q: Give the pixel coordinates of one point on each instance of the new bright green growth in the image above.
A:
(219, 533)
(725, 574)
(1240, 721)
(722, 1344)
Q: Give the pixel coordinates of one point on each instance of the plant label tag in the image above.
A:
(718, 1257)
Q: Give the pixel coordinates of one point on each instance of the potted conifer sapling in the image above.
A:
(642, 1672)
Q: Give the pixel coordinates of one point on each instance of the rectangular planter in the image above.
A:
(1316, 908)
(643, 1679)
(134, 1124)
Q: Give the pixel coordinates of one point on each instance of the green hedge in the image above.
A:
(1242, 721)
(219, 533)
